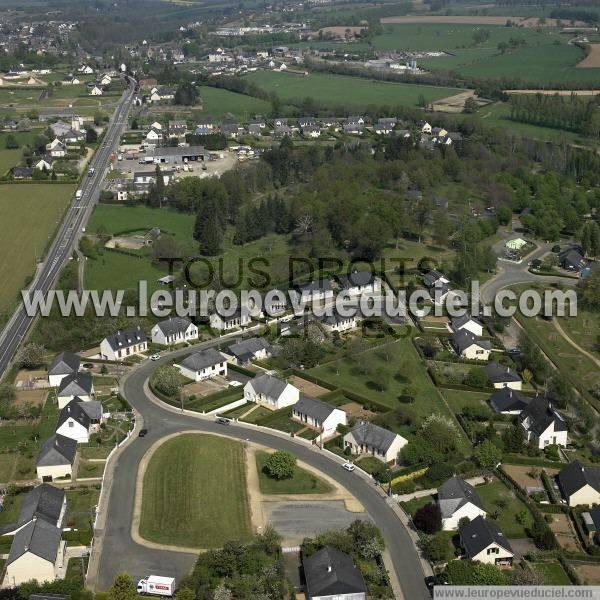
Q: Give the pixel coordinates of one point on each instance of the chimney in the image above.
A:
(329, 568)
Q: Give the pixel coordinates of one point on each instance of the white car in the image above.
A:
(348, 466)
(235, 383)
(155, 357)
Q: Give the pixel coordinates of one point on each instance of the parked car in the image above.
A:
(349, 467)
(143, 433)
(235, 383)
(155, 357)
(222, 421)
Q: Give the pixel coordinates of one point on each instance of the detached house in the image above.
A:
(78, 385)
(457, 500)
(271, 392)
(66, 363)
(174, 331)
(572, 260)
(509, 401)
(246, 350)
(56, 458)
(360, 282)
(317, 290)
(339, 323)
(483, 541)
(468, 346)
(203, 365)
(467, 323)
(579, 484)
(542, 424)
(96, 91)
(502, 376)
(78, 419)
(368, 438)
(240, 318)
(318, 415)
(123, 344)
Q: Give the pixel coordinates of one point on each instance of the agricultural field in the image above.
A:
(21, 244)
(218, 103)
(211, 502)
(11, 157)
(352, 91)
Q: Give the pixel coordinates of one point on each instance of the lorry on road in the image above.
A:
(79, 194)
(156, 585)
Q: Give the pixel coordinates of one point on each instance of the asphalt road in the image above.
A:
(120, 553)
(70, 229)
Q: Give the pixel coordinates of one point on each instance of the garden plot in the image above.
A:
(308, 387)
(206, 387)
(523, 475)
(588, 572)
(562, 529)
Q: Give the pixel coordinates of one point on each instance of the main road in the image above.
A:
(115, 548)
(70, 229)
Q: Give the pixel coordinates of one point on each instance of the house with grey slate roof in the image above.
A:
(244, 351)
(56, 458)
(366, 438)
(203, 365)
(502, 376)
(122, 344)
(579, 484)
(468, 323)
(360, 282)
(318, 415)
(66, 363)
(508, 401)
(458, 500)
(330, 573)
(175, 330)
(271, 392)
(469, 346)
(78, 420)
(543, 425)
(483, 541)
(336, 322)
(79, 385)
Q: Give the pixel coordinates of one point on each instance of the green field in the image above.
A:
(12, 157)
(218, 103)
(195, 494)
(29, 215)
(350, 91)
(302, 482)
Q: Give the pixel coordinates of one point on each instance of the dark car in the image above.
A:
(222, 421)
(143, 433)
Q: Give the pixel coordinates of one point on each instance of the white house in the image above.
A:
(66, 363)
(318, 415)
(96, 91)
(467, 323)
(368, 438)
(154, 135)
(240, 318)
(174, 331)
(106, 79)
(78, 419)
(339, 323)
(46, 163)
(457, 500)
(246, 350)
(202, 365)
(502, 376)
(271, 392)
(426, 128)
(542, 424)
(483, 541)
(579, 484)
(468, 346)
(78, 385)
(56, 458)
(360, 282)
(123, 344)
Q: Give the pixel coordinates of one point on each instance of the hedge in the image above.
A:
(241, 370)
(552, 509)
(408, 476)
(548, 485)
(569, 570)
(531, 461)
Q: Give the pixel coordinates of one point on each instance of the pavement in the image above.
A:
(69, 231)
(114, 549)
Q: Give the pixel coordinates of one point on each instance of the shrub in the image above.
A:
(428, 518)
(280, 465)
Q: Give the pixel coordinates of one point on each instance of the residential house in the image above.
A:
(271, 392)
(458, 500)
(44, 502)
(282, 131)
(468, 346)
(203, 365)
(231, 130)
(71, 80)
(56, 148)
(483, 541)
(509, 401)
(46, 163)
(154, 136)
(162, 94)
(122, 344)
(78, 419)
(244, 351)
(177, 128)
(317, 290)
(175, 330)
(20, 173)
(240, 318)
(370, 439)
(306, 121)
(572, 260)
(255, 130)
(426, 128)
(56, 458)
(502, 376)
(357, 283)
(542, 424)
(579, 484)
(311, 131)
(336, 322)
(467, 323)
(318, 415)
(434, 279)
(330, 574)
(385, 126)
(96, 91)
(86, 70)
(66, 363)
(77, 385)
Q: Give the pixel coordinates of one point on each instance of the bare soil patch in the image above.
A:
(341, 30)
(589, 573)
(37, 397)
(592, 60)
(520, 473)
(353, 409)
(456, 103)
(564, 533)
(31, 379)
(204, 387)
(307, 387)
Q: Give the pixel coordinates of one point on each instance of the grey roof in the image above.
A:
(249, 347)
(78, 384)
(374, 436)
(429, 279)
(508, 400)
(44, 502)
(357, 279)
(74, 411)
(39, 538)
(93, 408)
(330, 572)
(478, 534)
(179, 151)
(592, 521)
(317, 409)
(454, 494)
(463, 339)
(322, 285)
(575, 476)
(57, 450)
(571, 259)
(458, 322)
(127, 338)
(64, 364)
(542, 415)
(268, 385)
(174, 325)
(203, 359)
(498, 373)
(335, 317)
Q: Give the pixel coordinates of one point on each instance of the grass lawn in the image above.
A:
(552, 572)
(21, 243)
(195, 493)
(370, 464)
(12, 157)
(11, 507)
(338, 89)
(303, 482)
(413, 505)
(490, 494)
(218, 102)
(459, 399)
(81, 504)
(275, 419)
(584, 329)
(87, 469)
(76, 570)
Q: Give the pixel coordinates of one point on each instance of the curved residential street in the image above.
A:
(114, 549)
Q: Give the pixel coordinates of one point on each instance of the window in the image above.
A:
(71, 424)
(493, 551)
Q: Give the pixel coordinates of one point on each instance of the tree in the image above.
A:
(122, 588)
(513, 438)
(11, 142)
(186, 94)
(184, 593)
(428, 518)
(167, 380)
(156, 192)
(209, 233)
(487, 454)
(280, 465)
(91, 137)
(440, 432)
(470, 106)
(465, 572)
(31, 355)
(477, 378)
(591, 290)
(436, 548)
